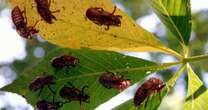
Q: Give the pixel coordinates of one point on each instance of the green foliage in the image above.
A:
(151, 103)
(75, 31)
(92, 64)
(176, 15)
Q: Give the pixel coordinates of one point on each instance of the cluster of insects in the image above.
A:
(20, 21)
(95, 14)
(149, 87)
(68, 92)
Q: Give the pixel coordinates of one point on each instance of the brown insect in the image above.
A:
(46, 105)
(41, 81)
(20, 23)
(110, 80)
(43, 8)
(149, 87)
(71, 93)
(64, 61)
(101, 17)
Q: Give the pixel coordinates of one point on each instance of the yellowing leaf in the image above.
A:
(73, 30)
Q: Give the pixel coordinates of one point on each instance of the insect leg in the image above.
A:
(145, 104)
(70, 84)
(114, 10)
(35, 24)
(40, 91)
(24, 13)
(49, 87)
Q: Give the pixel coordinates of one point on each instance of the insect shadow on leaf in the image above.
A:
(70, 93)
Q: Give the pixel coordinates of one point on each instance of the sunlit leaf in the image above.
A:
(73, 30)
(176, 15)
(197, 93)
(92, 64)
(151, 103)
(173, 79)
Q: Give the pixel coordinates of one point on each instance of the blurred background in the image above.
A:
(17, 54)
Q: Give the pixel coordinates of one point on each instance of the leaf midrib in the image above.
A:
(150, 68)
(168, 15)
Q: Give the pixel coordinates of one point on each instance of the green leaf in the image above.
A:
(151, 103)
(92, 64)
(176, 15)
(173, 79)
(197, 93)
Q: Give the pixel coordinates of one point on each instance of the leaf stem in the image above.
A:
(195, 58)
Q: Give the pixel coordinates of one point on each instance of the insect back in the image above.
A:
(64, 61)
(101, 17)
(43, 8)
(110, 80)
(40, 82)
(20, 23)
(148, 88)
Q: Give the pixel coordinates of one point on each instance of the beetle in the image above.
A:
(46, 105)
(101, 17)
(41, 81)
(20, 23)
(110, 80)
(71, 93)
(43, 8)
(64, 60)
(152, 85)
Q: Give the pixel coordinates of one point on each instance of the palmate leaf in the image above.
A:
(197, 93)
(176, 15)
(73, 30)
(92, 64)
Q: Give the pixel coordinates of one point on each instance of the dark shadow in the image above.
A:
(198, 92)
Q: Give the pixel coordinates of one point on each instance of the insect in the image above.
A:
(41, 81)
(71, 93)
(44, 11)
(152, 85)
(20, 23)
(64, 60)
(101, 17)
(46, 105)
(110, 80)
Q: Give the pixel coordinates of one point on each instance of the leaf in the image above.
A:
(73, 30)
(151, 103)
(176, 15)
(197, 92)
(92, 64)
(172, 81)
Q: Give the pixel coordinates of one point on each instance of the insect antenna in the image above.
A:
(114, 10)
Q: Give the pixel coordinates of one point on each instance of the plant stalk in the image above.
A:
(195, 58)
